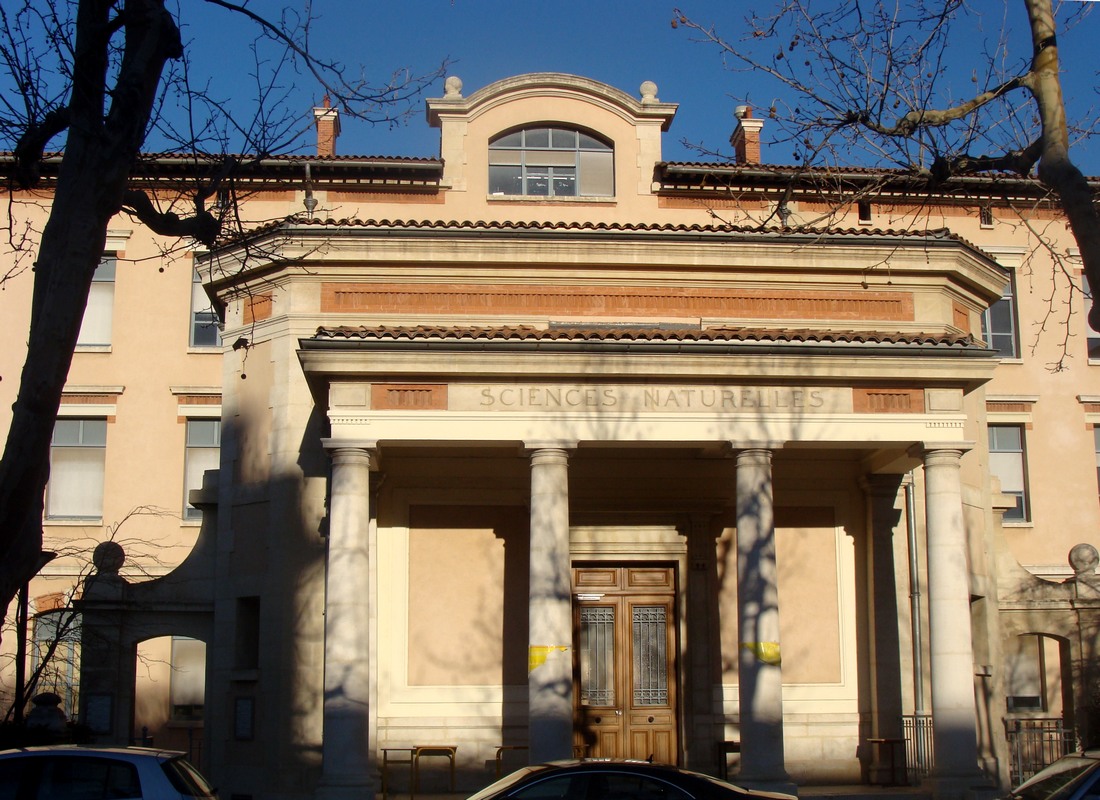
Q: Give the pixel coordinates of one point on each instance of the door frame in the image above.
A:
(635, 545)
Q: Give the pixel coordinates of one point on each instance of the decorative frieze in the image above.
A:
(613, 303)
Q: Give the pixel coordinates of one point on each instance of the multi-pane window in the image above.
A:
(203, 442)
(551, 162)
(204, 320)
(188, 687)
(77, 459)
(55, 656)
(999, 324)
(1092, 338)
(95, 328)
(1096, 441)
(1008, 462)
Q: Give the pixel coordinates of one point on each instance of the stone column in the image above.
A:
(759, 670)
(954, 713)
(884, 520)
(701, 644)
(550, 613)
(345, 749)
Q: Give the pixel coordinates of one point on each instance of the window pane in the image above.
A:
(591, 143)
(505, 180)
(188, 681)
(597, 656)
(999, 325)
(95, 328)
(552, 158)
(1092, 337)
(509, 140)
(76, 482)
(560, 138)
(565, 182)
(597, 174)
(204, 320)
(1007, 463)
(203, 440)
(538, 182)
(537, 137)
(650, 656)
(511, 157)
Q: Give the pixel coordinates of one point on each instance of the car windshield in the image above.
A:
(505, 782)
(1057, 780)
(185, 779)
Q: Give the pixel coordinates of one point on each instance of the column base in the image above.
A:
(964, 787)
(786, 786)
(351, 788)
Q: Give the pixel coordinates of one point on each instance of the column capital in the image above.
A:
(738, 446)
(332, 445)
(883, 484)
(550, 444)
(927, 450)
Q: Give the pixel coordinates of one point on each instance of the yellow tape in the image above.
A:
(538, 653)
(766, 652)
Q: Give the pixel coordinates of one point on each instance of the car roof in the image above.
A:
(81, 750)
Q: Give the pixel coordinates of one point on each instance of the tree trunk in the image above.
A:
(99, 154)
(1056, 170)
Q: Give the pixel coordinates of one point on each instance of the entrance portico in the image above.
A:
(565, 430)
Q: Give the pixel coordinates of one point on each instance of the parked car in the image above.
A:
(612, 779)
(67, 772)
(1072, 777)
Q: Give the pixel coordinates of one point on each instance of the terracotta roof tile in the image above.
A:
(617, 333)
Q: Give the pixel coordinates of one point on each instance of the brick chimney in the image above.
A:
(328, 128)
(746, 136)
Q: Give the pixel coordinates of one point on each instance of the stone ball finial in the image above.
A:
(648, 90)
(1084, 558)
(452, 87)
(108, 558)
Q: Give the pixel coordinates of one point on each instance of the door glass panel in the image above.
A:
(597, 656)
(650, 656)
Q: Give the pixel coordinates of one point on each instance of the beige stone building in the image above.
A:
(549, 445)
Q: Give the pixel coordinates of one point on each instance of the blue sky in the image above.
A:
(620, 42)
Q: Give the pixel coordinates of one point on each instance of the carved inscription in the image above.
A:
(651, 399)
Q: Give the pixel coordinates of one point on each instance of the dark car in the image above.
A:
(612, 779)
(1072, 777)
(99, 773)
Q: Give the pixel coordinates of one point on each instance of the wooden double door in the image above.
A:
(624, 623)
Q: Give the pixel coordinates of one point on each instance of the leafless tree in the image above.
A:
(91, 79)
(878, 83)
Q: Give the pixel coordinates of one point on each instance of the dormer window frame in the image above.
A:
(551, 161)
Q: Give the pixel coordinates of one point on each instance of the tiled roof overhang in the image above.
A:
(641, 339)
(724, 232)
(675, 177)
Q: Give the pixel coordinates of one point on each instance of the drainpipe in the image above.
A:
(914, 599)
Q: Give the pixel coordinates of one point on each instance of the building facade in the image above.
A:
(549, 445)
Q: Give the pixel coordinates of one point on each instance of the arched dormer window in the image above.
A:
(551, 162)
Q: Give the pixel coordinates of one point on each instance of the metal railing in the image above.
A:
(1034, 742)
(917, 730)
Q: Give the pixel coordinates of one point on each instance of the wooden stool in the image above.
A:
(387, 759)
(500, 754)
(422, 750)
(723, 749)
